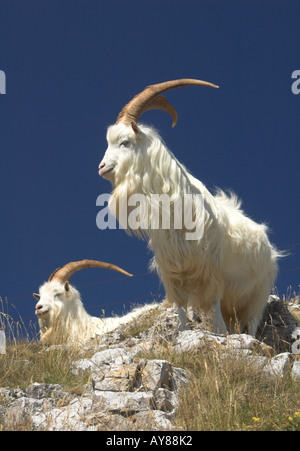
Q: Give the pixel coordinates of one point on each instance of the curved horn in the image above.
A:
(161, 103)
(143, 101)
(63, 274)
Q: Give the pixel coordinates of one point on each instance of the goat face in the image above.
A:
(52, 299)
(124, 154)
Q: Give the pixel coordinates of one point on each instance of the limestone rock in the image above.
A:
(130, 392)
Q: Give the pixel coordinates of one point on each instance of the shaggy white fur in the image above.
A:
(230, 271)
(63, 318)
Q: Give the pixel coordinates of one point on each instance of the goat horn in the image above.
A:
(145, 100)
(161, 103)
(63, 274)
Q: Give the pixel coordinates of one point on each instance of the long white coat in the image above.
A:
(230, 270)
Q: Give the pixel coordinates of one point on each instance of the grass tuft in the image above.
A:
(225, 392)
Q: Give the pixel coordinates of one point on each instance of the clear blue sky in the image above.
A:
(72, 65)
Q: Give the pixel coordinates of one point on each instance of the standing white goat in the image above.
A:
(61, 314)
(230, 270)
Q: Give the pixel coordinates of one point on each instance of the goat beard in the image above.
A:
(60, 330)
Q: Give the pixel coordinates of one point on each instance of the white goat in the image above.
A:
(61, 314)
(229, 271)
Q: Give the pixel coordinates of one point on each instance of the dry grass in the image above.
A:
(224, 393)
(227, 393)
(27, 360)
(137, 325)
(232, 394)
(25, 363)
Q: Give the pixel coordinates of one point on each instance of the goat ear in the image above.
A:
(67, 286)
(37, 296)
(134, 127)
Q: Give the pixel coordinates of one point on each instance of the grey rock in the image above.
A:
(166, 400)
(156, 374)
(118, 378)
(75, 416)
(190, 339)
(280, 364)
(109, 356)
(39, 391)
(125, 403)
(82, 365)
(180, 378)
(277, 366)
(128, 392)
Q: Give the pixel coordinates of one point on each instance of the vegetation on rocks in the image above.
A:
(151, 376)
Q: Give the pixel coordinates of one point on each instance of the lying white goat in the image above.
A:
(231, 268)
(61, 314)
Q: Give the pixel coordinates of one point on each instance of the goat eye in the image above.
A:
(125, 143)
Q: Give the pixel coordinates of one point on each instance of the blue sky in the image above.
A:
(72, 65)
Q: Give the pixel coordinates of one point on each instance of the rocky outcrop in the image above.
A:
(122, 394)
(129, 392)
(278, 324)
